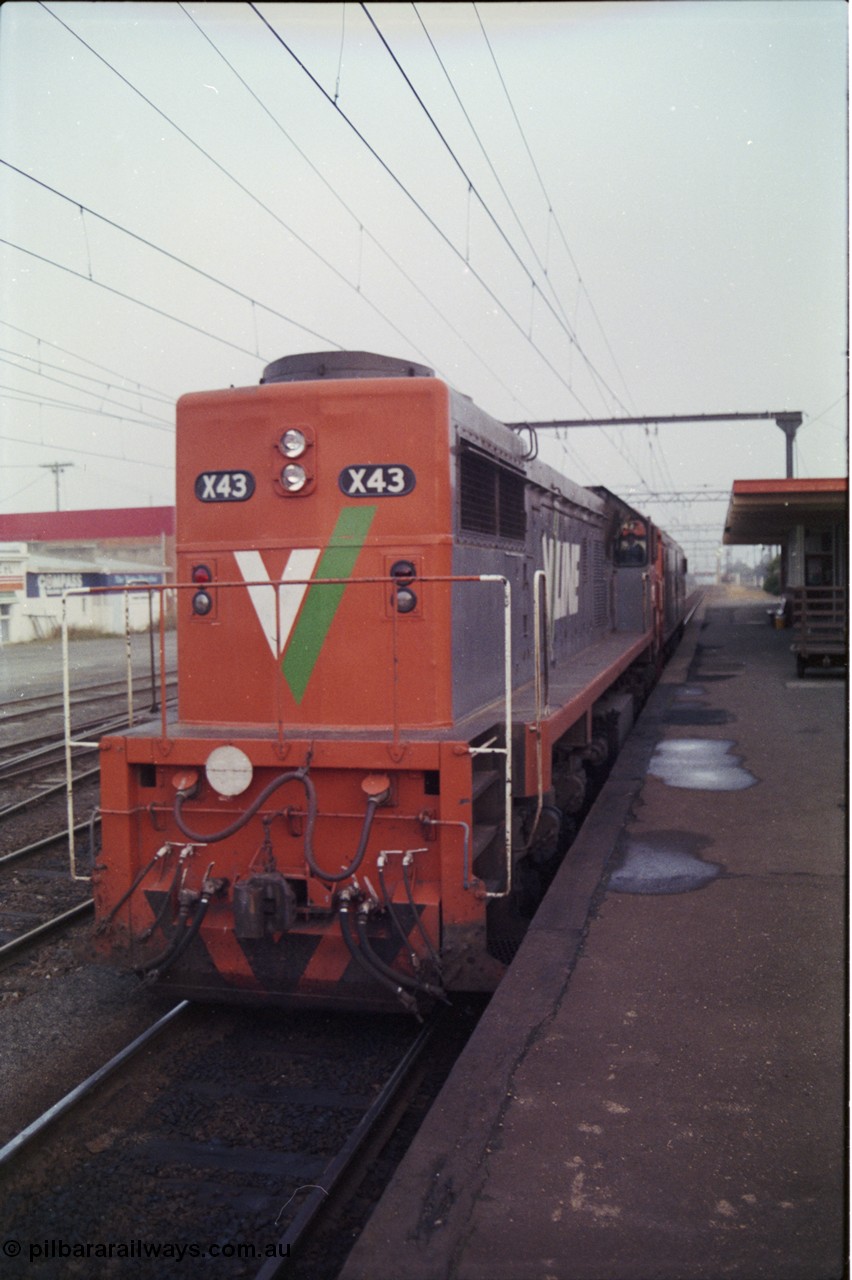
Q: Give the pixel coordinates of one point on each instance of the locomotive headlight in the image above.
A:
(405, 600)
(202, 603)
(293, 477)
(229, 771)
(292, 444)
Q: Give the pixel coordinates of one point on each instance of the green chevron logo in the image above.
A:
(321, 602)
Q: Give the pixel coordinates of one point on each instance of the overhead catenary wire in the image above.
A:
(149, 244)
(363, 230)
(89, 453)
(551, 210)
(141, 387)
(473, 190)
(98, 395)
(417, 204)
(129, 297)
(552, 216)
(218, 166)
(34, 397)
(242, 187)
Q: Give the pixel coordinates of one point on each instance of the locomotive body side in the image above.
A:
(399, 650)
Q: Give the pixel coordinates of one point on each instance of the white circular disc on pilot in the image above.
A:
(229, 771)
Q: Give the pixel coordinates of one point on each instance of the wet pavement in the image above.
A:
(658, 1089)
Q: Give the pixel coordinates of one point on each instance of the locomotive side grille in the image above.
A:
(491, 498)
(599, 581)
(511, 515)
(478, 494)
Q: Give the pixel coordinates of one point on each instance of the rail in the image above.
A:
(87, 1086)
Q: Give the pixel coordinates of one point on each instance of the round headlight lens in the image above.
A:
(293, 477)
(405, 600)
(229, 771)
(293, 443)
(202, 603)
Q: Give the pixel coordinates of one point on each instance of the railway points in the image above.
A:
(658, 1085)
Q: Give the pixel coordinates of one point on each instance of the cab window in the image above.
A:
(631, 546)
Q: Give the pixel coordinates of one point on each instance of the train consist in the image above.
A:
(405, 651)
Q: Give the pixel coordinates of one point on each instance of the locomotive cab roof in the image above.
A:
(317, 365)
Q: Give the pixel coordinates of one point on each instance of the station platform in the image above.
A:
(658, 1089)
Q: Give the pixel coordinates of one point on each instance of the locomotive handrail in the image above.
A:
(126, 589)
(71, 742)
(161, 588)
(541, 686)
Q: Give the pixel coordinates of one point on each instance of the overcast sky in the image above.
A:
(567, 210)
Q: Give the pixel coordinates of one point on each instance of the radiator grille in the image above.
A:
(491, 498)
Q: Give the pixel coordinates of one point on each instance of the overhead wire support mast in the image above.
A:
(789, 422)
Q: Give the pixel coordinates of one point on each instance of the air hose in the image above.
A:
(155, 968)
(391, 984)
(296, 775)
(140, 876)
(376, 961)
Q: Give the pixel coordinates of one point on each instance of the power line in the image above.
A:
(399, 183)
(242, 187)
(128, 297)
(89, 453)
(363, 230)
(105, 399)
(550, 205)
(560, 320)
(149, 244)
(472, 188)
(154, 392)
(33, 397)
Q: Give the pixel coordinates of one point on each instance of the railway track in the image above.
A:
(38, 897)
(25, 755)
(223, 1138)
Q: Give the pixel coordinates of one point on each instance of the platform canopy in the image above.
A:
(762, 512)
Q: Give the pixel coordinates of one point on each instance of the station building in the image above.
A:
(90, 559)
(809, 521)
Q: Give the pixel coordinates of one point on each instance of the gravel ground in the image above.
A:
(62, 1015)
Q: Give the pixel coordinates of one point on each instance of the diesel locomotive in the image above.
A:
(406, 648)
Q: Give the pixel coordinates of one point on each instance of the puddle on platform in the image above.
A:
(646, 868)
(698, 715)
(699, 764)
(688, 691)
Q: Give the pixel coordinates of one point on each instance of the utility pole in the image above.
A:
(57, 468)
(788, 422)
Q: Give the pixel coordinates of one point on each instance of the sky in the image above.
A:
(568, 210)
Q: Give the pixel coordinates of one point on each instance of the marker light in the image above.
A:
(403, 571)
(293, 477)
(202, 603)
(201, 573)
(293, 443)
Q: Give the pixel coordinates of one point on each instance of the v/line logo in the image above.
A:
(562, 566)
(295, 616)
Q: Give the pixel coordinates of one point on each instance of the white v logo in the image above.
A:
(300, 565)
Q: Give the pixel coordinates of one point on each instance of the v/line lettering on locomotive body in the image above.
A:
(562, 567)
(406, 651)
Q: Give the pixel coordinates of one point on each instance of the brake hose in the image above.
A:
(297, 775)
